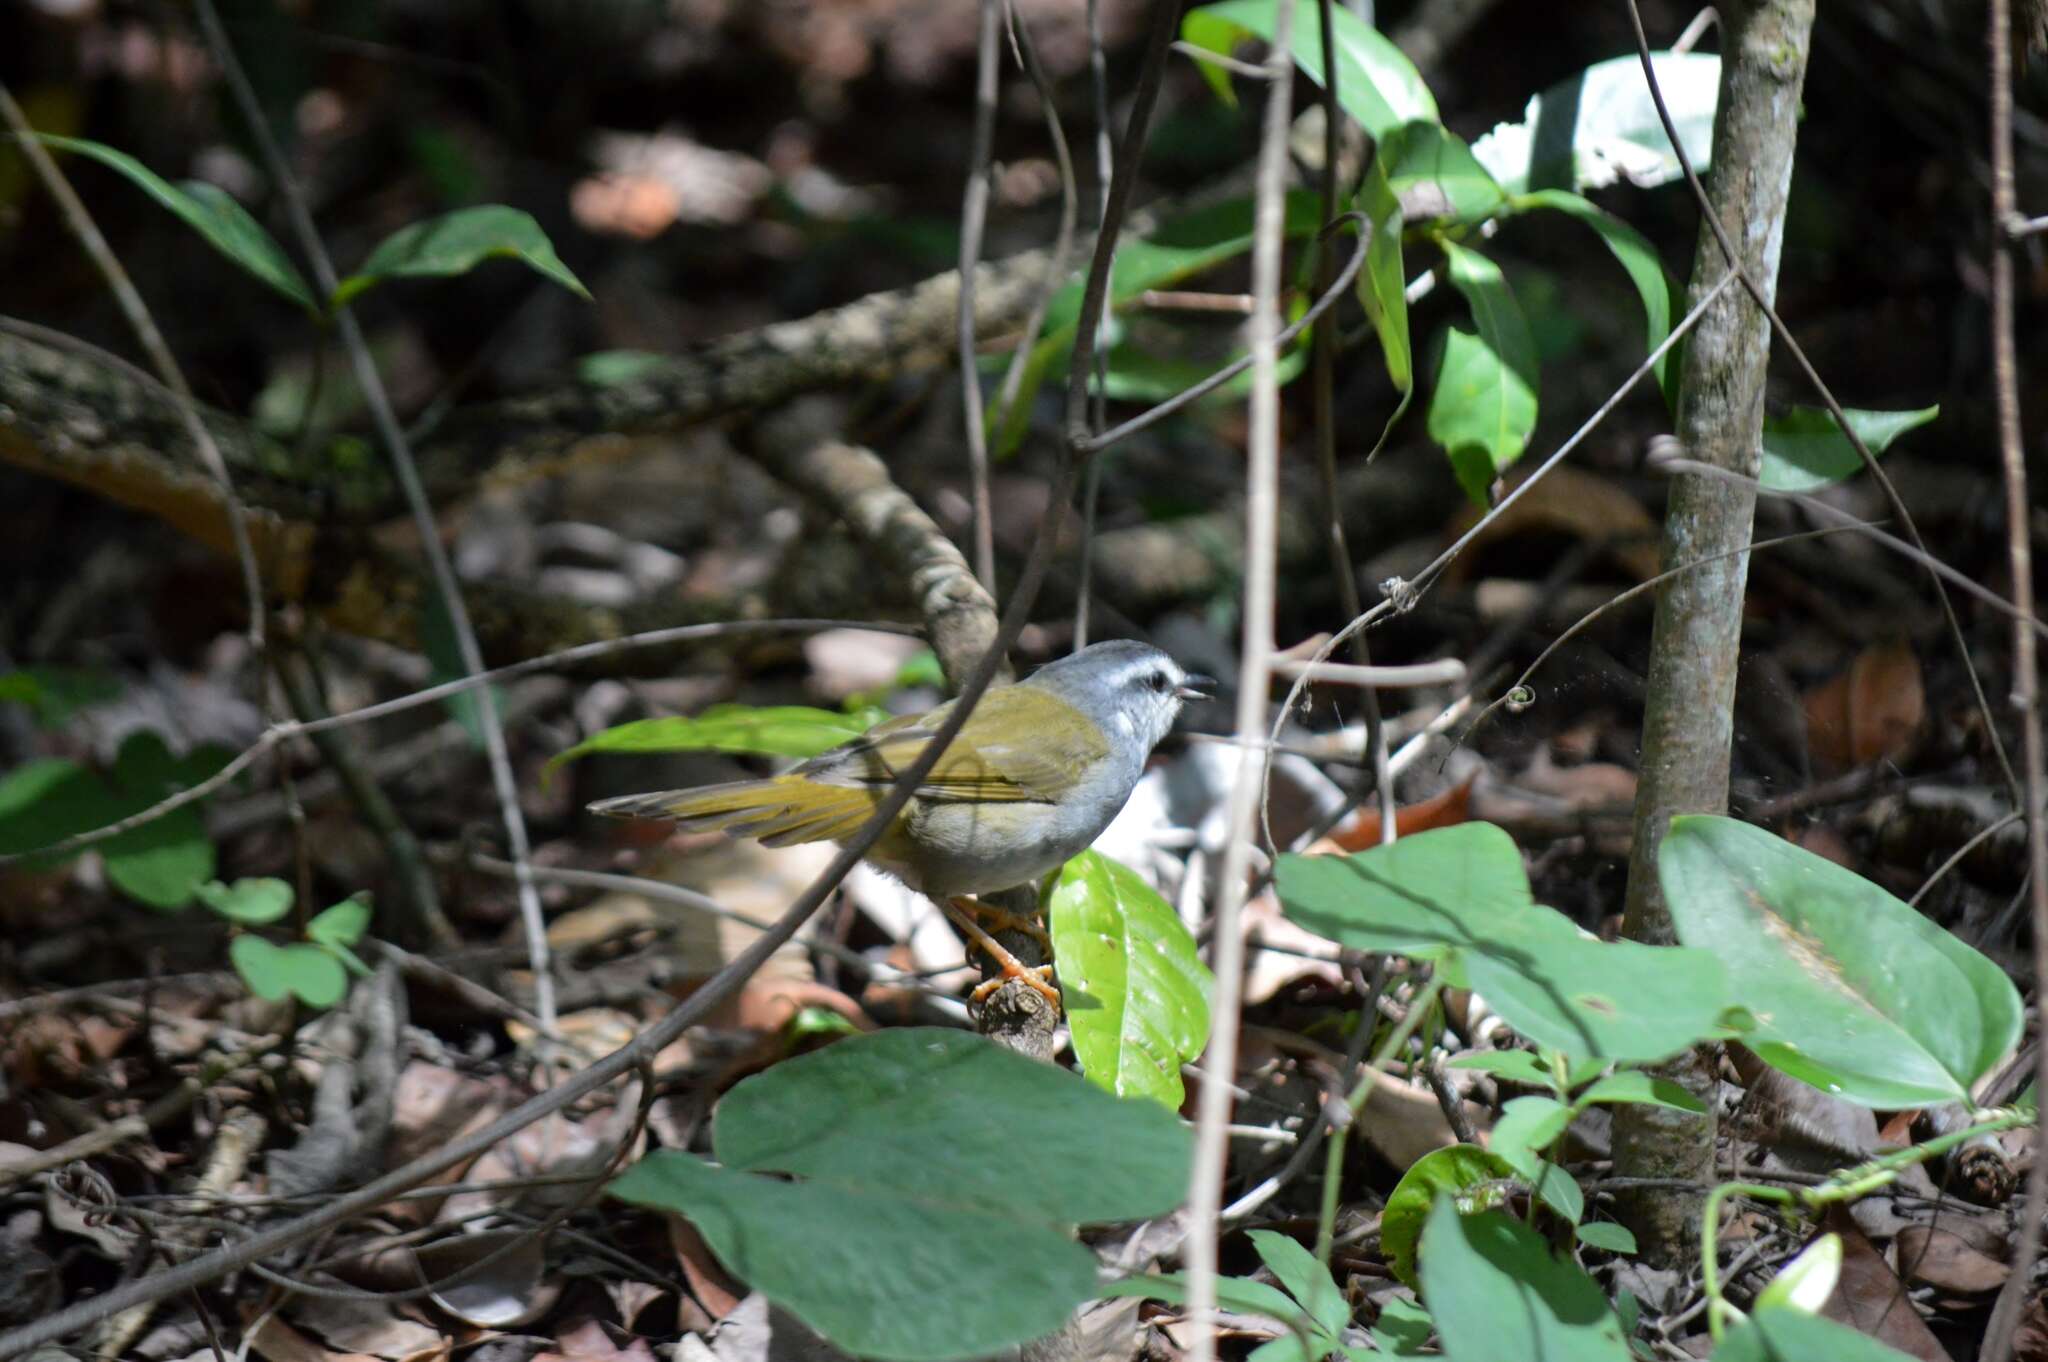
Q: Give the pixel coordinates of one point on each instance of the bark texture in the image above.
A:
(1688, 721)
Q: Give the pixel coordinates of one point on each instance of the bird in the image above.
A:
(1040, 768)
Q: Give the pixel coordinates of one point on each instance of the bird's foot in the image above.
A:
(994, 919)
(1039, 978)
(965, 911)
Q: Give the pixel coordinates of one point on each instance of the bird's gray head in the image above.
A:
(1129, 689)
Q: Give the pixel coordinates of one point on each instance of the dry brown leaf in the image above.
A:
(1944, 1260)
(713, 1292)
(1361, 831)
(365, 1328)
(1589, 785)
(277, 1341)
(1573, 502)
(1871, 712)
(1871, 1299)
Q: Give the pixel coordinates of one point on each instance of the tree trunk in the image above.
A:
(1688, 720)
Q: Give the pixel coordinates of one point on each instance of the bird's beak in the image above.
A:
(1196, 687)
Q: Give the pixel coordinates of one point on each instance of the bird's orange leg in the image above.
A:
(963, 912)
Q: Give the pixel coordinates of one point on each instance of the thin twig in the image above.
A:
(2005, 1314)
(1098, 397)
(1063, 241)
(378, 400)
(1323, 376)
(973, 218)
(1262, 491)
(1762, 299)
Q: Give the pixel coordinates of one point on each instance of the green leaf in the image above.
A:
(1608, 1235)
(1135, 988)
(1241, 1294)
(162, 862)
(273, 971)
(1458, 896)
(1783, 1335)
(1527, 1126)
(614, 368)
(1307, 1280)
(1429, 156)
(1476, 1177)
(772, 730)
(1853, 991)
(1376, 83)
(456, 243)
(1383, 288)
(1661, 295)
(1558, 1190)
(56, 693)
(1633, 1085)
(209, 211)
(1184, 247)
(45, 801)
(1403, 1328)
(1484, 407)
(1517, 1065)
(444, 652)
(1805, 450)
(342, 925)
(1496, 1292)
(249, 902)
(936, 1175)
(1601, 125)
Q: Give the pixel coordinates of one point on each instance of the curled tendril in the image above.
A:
(1519, 699)
(1400, 593)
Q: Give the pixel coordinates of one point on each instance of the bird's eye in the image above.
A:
(1158, 682)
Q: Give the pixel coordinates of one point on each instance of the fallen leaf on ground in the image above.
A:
(1871, 712)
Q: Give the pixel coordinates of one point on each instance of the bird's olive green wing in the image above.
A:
(1021, 743)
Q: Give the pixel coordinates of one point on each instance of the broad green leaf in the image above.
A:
(1517, 1065)
(1307, 1280)
(444, 652)
(456, 243)
(1558, 1190)
(1429, 156)
(1601, 125)
(49, 799)
(1805, 1283)
(1853, 991)
(1633, 1085)
(1478, 1180)
(1606, 1234)
(1136, 374)
(1496, 1292)
(315, 977)
(772, 730)
(1484, 407)
(162, 862)
(1194, 242)
(1135, 989)
(342, 925)
(1458, 896)
(209, 211)
(936, 1173)
(1784, 1335)
(1376, 83)
(249, 902)
(1383, 288)
(1403, 1328)
(1659, 292)
(1805, 450)
(1528, 1126)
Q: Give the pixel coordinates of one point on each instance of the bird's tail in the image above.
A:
(780, 811)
